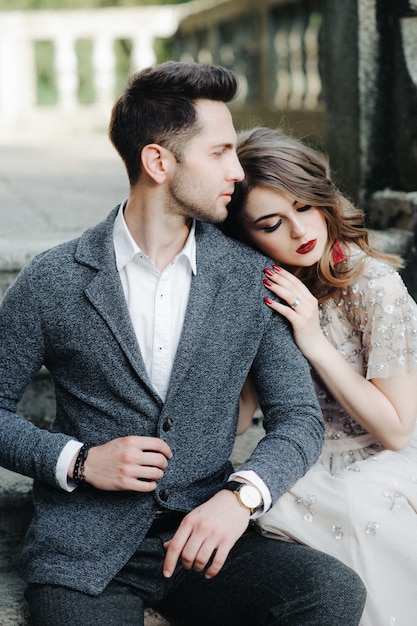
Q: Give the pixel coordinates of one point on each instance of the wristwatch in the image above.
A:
(249, 496)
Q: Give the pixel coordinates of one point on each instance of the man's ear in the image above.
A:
(156, 161)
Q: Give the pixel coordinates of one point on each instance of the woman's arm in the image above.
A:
(248, 403)
(386, 407)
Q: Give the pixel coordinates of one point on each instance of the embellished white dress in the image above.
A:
(359, 502)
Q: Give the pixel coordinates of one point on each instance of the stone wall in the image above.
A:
(369, 68)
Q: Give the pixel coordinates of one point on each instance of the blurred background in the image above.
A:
(341, 75)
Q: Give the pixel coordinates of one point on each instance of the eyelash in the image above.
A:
(271, 229)
(219, 153)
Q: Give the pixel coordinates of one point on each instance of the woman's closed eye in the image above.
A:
(300, 209)
(270, 229)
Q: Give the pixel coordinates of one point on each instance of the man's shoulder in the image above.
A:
(57, 255)
(88, 246)
(211, 238)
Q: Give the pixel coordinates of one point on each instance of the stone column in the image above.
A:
(368, 68)
(104, 68)
(66, 71)
(17, 71)
(341, 92)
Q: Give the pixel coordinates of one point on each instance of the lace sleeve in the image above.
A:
(386, 317)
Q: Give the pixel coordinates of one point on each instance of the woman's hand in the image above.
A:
(384, 407)
(302, 310)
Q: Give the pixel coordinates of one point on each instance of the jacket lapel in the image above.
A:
(105, 291)
(204, 289)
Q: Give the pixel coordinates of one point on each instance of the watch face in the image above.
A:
(250, 497)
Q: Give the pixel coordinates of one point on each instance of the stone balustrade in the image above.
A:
(21, 30)
(273, 46)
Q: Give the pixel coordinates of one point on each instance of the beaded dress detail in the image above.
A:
(359, 502)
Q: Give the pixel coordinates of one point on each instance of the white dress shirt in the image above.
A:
(157, 302)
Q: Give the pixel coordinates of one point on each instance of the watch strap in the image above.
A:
(236, 486)
(233, 485)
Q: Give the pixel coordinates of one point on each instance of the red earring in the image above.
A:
(337, 253)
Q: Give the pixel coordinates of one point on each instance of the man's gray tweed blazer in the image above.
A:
(67, 310)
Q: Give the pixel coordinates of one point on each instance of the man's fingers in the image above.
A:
(145, 445)
(195, 555)
(219, 557)
(198, 548)
(197, 551)
(152, 459)
(174, 549)
(200, 559)
(145, 472)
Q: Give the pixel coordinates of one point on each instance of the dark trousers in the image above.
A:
(264, 581)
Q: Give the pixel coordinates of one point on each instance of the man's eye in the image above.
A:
(305, 207)
(270, 229)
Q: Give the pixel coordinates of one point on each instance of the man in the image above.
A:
(149, 324)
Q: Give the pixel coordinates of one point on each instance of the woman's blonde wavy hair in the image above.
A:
(277, 161)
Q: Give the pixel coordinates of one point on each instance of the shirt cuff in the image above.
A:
(63, 463)
(252, 477)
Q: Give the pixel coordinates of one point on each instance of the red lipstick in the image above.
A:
(305, 248)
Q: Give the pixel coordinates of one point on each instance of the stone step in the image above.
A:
(13, 608)
(15, 514)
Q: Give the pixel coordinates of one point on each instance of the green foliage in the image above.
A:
(46, 92)
(83, 50)
(44, 50)
(123, 51)
(44, 58)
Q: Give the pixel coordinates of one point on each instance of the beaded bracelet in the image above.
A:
(79, 468)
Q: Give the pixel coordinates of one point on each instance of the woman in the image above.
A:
(356, 324)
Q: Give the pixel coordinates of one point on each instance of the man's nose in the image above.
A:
(236, 172)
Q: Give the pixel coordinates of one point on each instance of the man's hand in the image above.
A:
(126, 464)
(208, 532)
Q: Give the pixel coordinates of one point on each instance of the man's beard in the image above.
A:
(184, 202)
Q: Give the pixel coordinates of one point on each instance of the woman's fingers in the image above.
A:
(286, 287)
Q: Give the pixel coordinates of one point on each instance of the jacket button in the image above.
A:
(164, 494)
(166, 426)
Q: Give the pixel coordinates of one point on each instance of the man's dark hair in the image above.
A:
(157, 106)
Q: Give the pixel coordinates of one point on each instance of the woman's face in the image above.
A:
(288, 231)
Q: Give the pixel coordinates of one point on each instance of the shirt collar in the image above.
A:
(126, 247)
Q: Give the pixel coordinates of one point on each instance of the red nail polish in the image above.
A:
(267, 282)
(276, 268)
(268, 272)
(267, 300)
